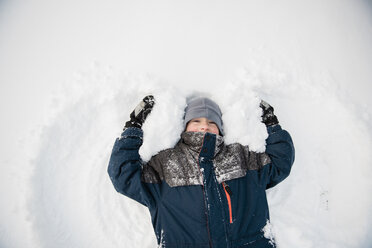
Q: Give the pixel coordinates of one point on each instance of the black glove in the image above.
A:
(268, 116)
(140, 113)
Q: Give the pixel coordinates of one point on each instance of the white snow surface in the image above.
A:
(57, 134)
(324, 202)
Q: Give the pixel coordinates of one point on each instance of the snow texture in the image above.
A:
(305, 58)
(269, 232)
(72, 203)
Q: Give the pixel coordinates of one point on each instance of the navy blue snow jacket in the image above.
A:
(203, 193)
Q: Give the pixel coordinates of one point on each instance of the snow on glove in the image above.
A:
(140, 113)
(268, 116)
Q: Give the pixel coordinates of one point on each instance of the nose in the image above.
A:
(204, 127)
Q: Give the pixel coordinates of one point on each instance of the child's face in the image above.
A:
(202, 125)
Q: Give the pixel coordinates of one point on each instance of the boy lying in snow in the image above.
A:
(203, 193)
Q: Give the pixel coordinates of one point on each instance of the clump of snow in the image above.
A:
(165, 123)
(241, 115)
(269, 233)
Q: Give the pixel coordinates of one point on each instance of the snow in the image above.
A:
(69, 79)
(268, 232)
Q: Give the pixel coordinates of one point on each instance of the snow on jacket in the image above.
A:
(203, 193)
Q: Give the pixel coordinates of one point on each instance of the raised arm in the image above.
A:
(279, 147)
(125, 166)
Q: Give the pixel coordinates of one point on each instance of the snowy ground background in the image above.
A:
(69, 76)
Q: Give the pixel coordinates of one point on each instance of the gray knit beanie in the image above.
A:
(203, 107)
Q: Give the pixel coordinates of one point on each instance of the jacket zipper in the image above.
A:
(205, 200)
(228, 193)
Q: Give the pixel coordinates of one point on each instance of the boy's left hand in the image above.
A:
(268, 116)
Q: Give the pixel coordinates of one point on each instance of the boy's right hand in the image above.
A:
(268, 116)
(140, 113)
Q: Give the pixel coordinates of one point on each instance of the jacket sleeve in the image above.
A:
(279, 147)
(125, 168)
